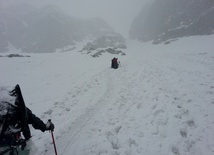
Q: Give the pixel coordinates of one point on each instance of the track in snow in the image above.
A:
(78, 127)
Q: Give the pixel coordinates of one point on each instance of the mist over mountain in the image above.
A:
(168, 20)
(46, 29)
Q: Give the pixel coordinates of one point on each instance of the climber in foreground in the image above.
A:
(15, 118)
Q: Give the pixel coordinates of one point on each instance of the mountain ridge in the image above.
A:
(46, 29)
(168, 20)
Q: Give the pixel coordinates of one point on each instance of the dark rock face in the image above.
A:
(111, 44)
(46, 29)
(15, 55)
(109, 50)
(105, 44)
(166, 20)
(115, 41)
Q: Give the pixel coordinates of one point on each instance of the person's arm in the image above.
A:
(36, 122)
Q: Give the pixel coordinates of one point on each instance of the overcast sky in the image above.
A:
(117, 13)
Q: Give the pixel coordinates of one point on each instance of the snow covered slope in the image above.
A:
(160, 101)
(170, 20)
(46, 29)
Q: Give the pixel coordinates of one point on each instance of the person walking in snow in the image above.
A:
(114, 63)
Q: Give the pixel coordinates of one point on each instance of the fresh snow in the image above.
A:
(159, 102)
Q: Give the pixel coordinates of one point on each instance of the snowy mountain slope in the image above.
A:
(46, 29)
(167, 20)
(160, 101)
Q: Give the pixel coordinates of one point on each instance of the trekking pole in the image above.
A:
(51, 130)
(53, 142)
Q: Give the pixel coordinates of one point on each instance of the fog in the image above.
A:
(117, 13)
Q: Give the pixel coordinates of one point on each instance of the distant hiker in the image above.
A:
(114, 63)
(15, 118)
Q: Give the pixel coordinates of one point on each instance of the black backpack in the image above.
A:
(9, 124)
(13, 118)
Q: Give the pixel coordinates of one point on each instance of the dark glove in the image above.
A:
(49, 125)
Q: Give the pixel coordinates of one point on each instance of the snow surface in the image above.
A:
(159, 102)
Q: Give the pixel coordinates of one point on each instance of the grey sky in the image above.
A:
(118, 13)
